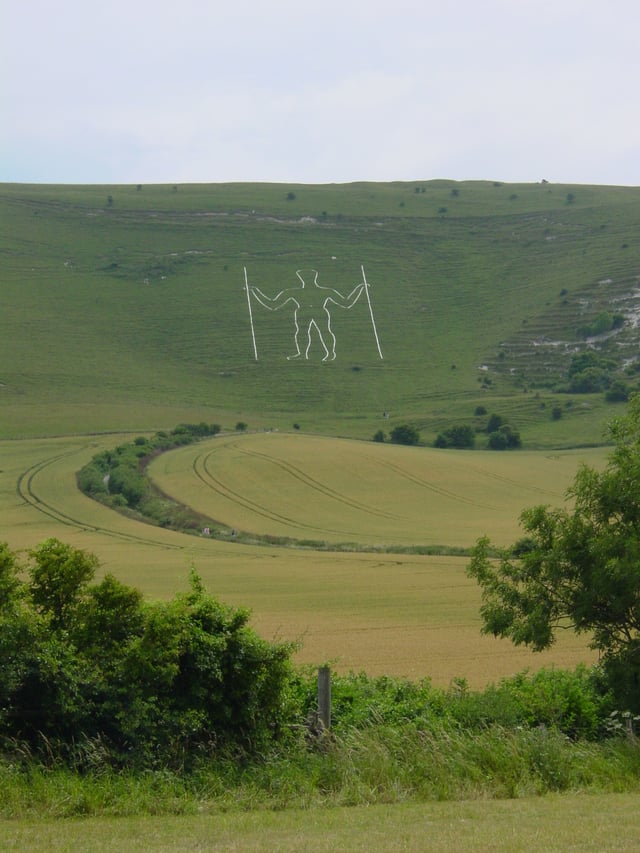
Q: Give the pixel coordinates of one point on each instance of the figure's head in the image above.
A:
(309, 275)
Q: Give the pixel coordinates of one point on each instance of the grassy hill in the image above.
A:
(124, 307)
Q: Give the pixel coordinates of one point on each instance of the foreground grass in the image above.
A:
(579, 822)
(372, 766)
(370, 791)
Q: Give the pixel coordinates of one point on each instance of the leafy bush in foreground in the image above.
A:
(94, 678)
(151, 682)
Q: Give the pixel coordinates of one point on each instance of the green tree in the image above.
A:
(404, 434)
(504, 438)
(582, 567)
(461, 436)
(9, 582)
(618, 392)
(155, 682)
(494, 423)
(589, 381)
(59, 575)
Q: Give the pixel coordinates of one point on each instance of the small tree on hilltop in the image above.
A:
(581, 567)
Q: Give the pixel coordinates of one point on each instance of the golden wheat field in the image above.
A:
(336, 490)
(399, 614)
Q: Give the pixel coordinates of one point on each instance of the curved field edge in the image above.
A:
(341, 494)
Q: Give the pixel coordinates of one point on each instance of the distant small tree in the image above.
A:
(589, 381)
(241, 426)
(556, 413)
(494, 423)
(291, 196)
(480, 410)
(504, 438)
(405, 434)
(461, 437)
(619, 392)
(379, 436)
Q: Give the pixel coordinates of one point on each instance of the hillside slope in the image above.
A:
(127, 306)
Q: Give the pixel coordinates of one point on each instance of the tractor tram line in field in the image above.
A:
(316, 485)
(501, 478)
(426, 484)
(25, 490)
(231, 495)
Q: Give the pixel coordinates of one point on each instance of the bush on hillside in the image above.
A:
(618, 392)
(494, 423)
(405, 434)
(504, 438)
(462, 437)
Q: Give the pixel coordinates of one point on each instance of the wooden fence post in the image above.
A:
(324, 697)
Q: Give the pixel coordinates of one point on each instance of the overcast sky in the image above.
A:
(142, 91)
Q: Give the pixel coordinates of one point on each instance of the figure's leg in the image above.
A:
(295, 338)
(311, 323)
(331, 349)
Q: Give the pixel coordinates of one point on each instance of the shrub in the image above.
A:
(618, 392)
(379, 436)
(405, 434)
(152, 682)
(462, 437)
(505, 438)
(494, 423)
(589, 381)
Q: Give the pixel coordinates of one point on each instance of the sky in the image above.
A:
(332, 91)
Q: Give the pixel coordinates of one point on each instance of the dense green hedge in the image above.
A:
(117, 478)
(153, 682)
(91, 672)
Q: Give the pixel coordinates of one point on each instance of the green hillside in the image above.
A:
(125, 307)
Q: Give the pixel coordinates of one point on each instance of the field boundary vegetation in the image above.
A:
(119, 480)
(98, 686)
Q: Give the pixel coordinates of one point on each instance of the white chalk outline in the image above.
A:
(373, 322)
(253, 334)
(311, 306)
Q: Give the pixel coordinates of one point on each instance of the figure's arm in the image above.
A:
(272, 304)
(350, 300)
